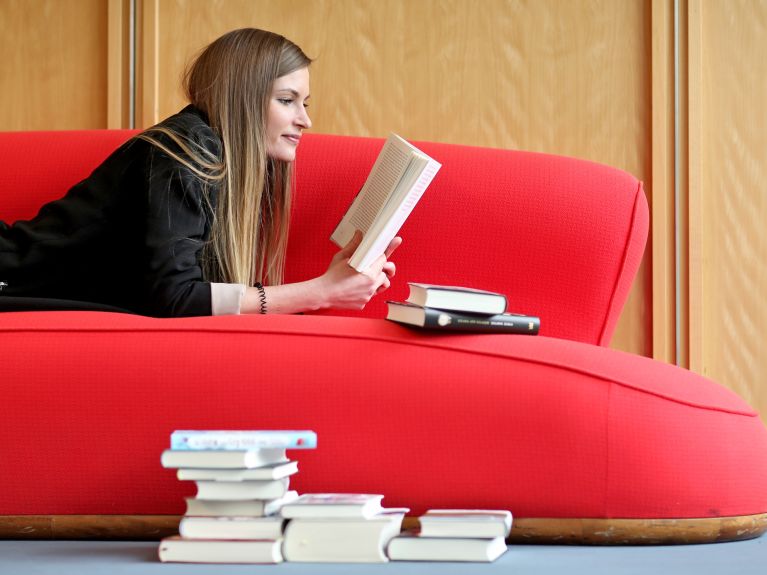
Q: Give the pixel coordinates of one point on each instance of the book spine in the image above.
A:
(501, 323)
(245, 440)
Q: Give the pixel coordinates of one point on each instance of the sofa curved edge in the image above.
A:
(525, 530)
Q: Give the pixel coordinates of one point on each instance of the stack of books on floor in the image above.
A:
(242, 480)
(454, 535)
(453, 308)
(339, 528)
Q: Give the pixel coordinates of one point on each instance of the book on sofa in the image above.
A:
(456, 298)
(398, 179)
(439, 319)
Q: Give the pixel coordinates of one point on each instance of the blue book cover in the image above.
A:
(237, 440)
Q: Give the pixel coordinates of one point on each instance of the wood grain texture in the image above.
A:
(568, 78)
(54, 70)
(558, 531)
(732, 266)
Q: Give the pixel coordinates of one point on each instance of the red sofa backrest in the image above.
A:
(562, 238)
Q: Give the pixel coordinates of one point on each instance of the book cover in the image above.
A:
(398, 179)
(242, 439)
(436, 319)
(456, 298)
(235, 490)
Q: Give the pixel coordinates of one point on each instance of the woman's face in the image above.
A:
(287, 117)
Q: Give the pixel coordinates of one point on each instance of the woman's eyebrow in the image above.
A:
(292, 92)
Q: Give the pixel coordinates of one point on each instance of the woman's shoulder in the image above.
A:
(189, 126)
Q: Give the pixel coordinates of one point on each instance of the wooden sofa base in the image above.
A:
(525, 530)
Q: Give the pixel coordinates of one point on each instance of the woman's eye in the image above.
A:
(285, 101)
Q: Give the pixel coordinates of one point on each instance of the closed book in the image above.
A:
(239, 508)
(231, 527)
(479, 523)
(273, 471)
(456, 298)
(234, 490)
(217, 459)
(341, 540)
(437, 319)
(240, 440)
(350, 505)
(411, 547)
(180, 550)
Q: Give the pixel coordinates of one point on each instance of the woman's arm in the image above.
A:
(340, 287)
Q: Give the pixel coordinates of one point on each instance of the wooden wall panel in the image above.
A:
(54, 69)
(564, 77)
(728, 297)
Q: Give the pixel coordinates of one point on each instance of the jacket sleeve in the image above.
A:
(177, 225)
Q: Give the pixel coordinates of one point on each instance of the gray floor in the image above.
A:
(116, 558)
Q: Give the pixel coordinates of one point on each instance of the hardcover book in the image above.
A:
(222, 459)
(479, 523)
(341, 540)
(242, 440)
(272, 471)
(234, 490)
(456, 298)
(396, 182)
(241, 508)
(231, 527)
(334, 505)
(412, 547)
(180, 550)
(437, 319)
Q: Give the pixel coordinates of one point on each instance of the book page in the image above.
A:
(390, 165)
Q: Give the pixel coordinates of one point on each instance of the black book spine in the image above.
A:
(501, 323)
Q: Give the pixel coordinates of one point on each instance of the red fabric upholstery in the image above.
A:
(542, 426)
(556, 425)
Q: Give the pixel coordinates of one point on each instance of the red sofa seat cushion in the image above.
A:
(541, 426)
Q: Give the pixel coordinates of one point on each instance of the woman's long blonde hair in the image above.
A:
(231, 82)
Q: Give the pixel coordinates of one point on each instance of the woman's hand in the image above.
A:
(340, 287)
(343, 287)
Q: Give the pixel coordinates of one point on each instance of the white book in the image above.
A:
(240, 508)
(456, 298)
(234, 490)
(231, 527)
(193, 439)
(341, 540)
(411, 547)
(179, 550)
(273, 471)
(476, 523)
(396, 182)
(216, 459)
(348, 505)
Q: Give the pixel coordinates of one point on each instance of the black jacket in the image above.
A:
(129, 236)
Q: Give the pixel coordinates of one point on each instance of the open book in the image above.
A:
(399, 177)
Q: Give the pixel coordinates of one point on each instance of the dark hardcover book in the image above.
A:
(429, 318)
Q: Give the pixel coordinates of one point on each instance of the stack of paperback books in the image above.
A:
(242, 480)
(339, 528)
(455, 308)
(454, 535)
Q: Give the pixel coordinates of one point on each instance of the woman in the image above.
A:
(191, 217)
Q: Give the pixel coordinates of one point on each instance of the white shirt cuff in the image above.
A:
(226, 299)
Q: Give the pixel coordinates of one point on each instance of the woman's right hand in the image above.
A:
(343, 287)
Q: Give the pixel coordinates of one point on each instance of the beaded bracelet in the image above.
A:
(261, 295)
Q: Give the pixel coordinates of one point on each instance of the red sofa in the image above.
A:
(554, 426)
